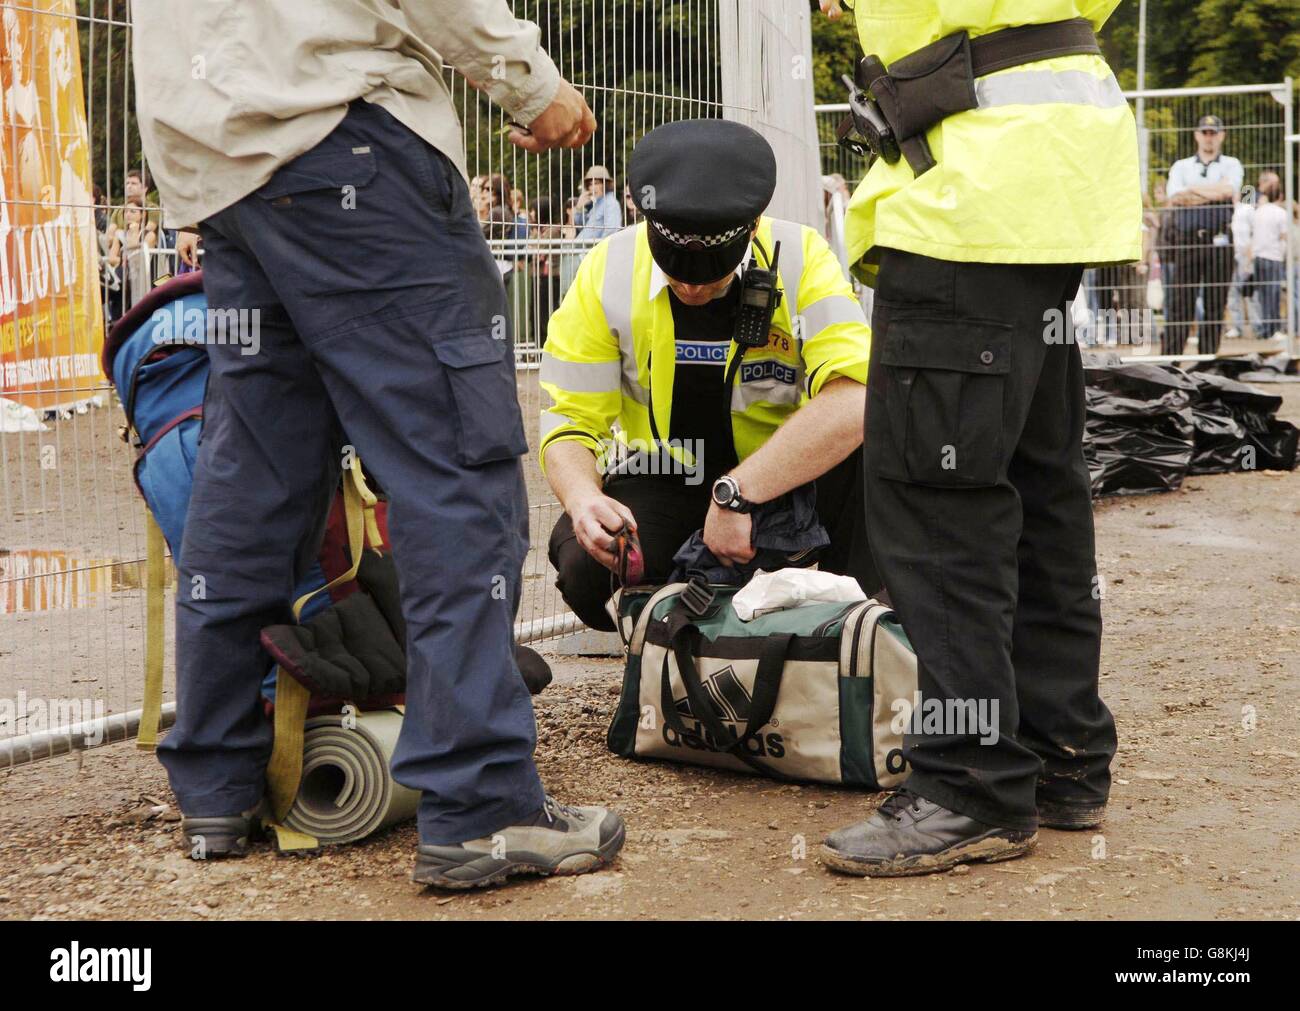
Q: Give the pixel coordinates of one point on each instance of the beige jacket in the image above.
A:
(227, 91)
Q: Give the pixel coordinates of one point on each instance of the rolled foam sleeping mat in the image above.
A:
(347, 791)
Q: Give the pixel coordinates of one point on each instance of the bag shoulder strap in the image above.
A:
(284, 769)
(684, 635)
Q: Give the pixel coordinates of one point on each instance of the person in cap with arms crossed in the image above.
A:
(644, 341)
(333, 204)
(1015, 165)
(1202, 190)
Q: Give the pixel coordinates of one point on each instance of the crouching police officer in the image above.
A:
(644, 341)
(1009, 162)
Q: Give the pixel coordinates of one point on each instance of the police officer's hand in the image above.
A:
(595, 520)
(566, 122)
(729, 535)
(831, 8)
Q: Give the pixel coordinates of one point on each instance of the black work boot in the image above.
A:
(911, 835)
(222, 836)
(1069, 817)
(533, 667)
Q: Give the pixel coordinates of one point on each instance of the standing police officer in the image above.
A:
(1203, 191)
(646, 342)
(319, 148)
(1009, 161)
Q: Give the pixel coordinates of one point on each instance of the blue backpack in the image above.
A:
(157, 357)
(160, 369)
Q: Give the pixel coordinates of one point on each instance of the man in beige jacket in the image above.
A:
(318, 147)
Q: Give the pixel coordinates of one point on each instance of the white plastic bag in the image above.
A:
(774, 591)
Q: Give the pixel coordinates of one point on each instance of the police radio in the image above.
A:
(759, 298)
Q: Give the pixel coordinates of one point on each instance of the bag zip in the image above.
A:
(875, 627)
(857, 631)
(636, 644)
(838, 615)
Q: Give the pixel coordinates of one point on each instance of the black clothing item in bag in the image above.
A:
(786, 534)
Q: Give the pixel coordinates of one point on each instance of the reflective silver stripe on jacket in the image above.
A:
(768, 391)
(551, 420)
(828, 311)
(616, 300)
(1044, 87)
(581, 377)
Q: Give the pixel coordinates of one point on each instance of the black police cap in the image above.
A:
(701, 184)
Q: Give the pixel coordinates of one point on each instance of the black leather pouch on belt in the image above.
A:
(921, 89)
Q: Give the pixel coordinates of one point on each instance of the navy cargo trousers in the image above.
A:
(365, 301)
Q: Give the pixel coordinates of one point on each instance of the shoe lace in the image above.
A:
(554, 808)
(898, 802)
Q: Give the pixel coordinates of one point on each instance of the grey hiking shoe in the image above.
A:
(560, 840)
(224, 836)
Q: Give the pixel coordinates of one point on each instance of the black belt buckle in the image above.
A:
(698, 597)
(875, 138)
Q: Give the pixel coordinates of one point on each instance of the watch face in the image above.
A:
(722, 492)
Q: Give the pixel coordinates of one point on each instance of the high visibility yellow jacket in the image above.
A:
(1045, 170)
(610, 354)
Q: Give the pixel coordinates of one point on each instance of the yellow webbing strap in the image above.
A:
(284, 771)
(155, 580)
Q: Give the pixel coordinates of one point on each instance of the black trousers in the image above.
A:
(668, 511)
(1207, 269)
(980, 521)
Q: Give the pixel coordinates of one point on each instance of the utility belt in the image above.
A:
(1201, 224)
(891, 110)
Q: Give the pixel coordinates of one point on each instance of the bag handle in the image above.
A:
(683, 635)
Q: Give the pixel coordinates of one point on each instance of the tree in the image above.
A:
(105, 42)
(1206, 42)
(1245, 42)
(835, 49)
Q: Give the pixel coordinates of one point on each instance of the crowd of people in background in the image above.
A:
(1214, 258)
(536, 267)
(1213, 263)
(539, 244)
(128, 229)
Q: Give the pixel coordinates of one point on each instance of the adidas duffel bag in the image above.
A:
(805, 693)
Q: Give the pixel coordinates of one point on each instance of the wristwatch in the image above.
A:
(726, 493)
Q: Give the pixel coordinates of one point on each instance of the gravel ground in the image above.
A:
(1200, 666)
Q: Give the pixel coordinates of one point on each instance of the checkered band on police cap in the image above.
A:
(707, 241)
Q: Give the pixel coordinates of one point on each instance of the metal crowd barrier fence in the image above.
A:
(72, 608)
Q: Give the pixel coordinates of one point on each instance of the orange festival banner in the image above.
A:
(51, 317)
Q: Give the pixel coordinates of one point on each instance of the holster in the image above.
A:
(919, 90)
(891, 109)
